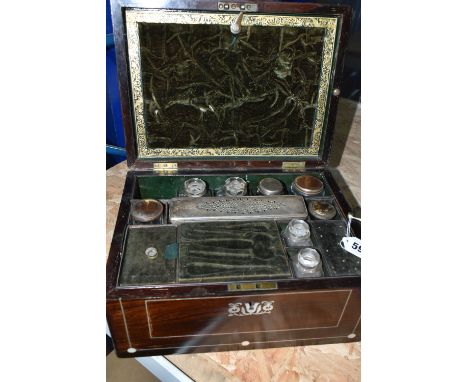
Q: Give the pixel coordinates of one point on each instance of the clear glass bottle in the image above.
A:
(307, 263)
(194, 188)
(233, 186)
(297, 234)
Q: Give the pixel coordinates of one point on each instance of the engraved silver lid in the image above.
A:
(270, 186)
(235, 186)
(195, 187)
(308, 258)
(321, 210)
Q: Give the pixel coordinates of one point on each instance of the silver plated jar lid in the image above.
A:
(308, 258)
(270, 186)
(307, 185)
(235, 186)
(146, 210)
(321, 210)
(195, 187)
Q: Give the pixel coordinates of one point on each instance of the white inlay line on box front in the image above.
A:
(344, 307)
(126, 327)
(357, 323)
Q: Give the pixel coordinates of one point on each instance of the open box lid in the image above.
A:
(193, 91)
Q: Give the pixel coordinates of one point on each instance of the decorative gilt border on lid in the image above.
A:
(133, 17)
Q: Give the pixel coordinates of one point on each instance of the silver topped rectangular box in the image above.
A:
(244, 208)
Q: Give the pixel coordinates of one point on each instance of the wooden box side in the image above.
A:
(164, 326)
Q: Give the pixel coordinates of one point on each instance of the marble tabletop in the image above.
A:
(319, 363)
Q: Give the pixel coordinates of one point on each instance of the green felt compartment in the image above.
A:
(137, 268)
(231, 251)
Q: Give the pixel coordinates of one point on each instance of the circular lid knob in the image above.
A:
(151, 252)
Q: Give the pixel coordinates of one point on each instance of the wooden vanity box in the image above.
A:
(199, 101)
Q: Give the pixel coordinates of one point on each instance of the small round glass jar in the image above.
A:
(194, 187)
(235, 186)
(321, 210)
(270, 186)
(146, 210)
(308, 263)
(307, 185)
(297, 233)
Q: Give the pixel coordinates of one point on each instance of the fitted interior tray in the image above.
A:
(233, 245)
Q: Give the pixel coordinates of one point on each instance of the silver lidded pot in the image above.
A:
(270, 186)
(321, 210)
(307, 185)
(146, 210)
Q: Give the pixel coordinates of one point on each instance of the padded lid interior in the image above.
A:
(200, 91)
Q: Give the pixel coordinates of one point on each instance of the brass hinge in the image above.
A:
(293, 166)
(165, 168)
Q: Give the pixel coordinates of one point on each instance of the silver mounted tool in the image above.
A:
(280, 207)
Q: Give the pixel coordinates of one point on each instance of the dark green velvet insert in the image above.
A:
(231, 251)
(202, 88)
(137, 268)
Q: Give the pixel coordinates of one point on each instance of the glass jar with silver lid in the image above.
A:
(234, 186)
(195, 187)
(307, 263)
(270, 186)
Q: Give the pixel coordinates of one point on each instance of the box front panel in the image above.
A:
(208, 324)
